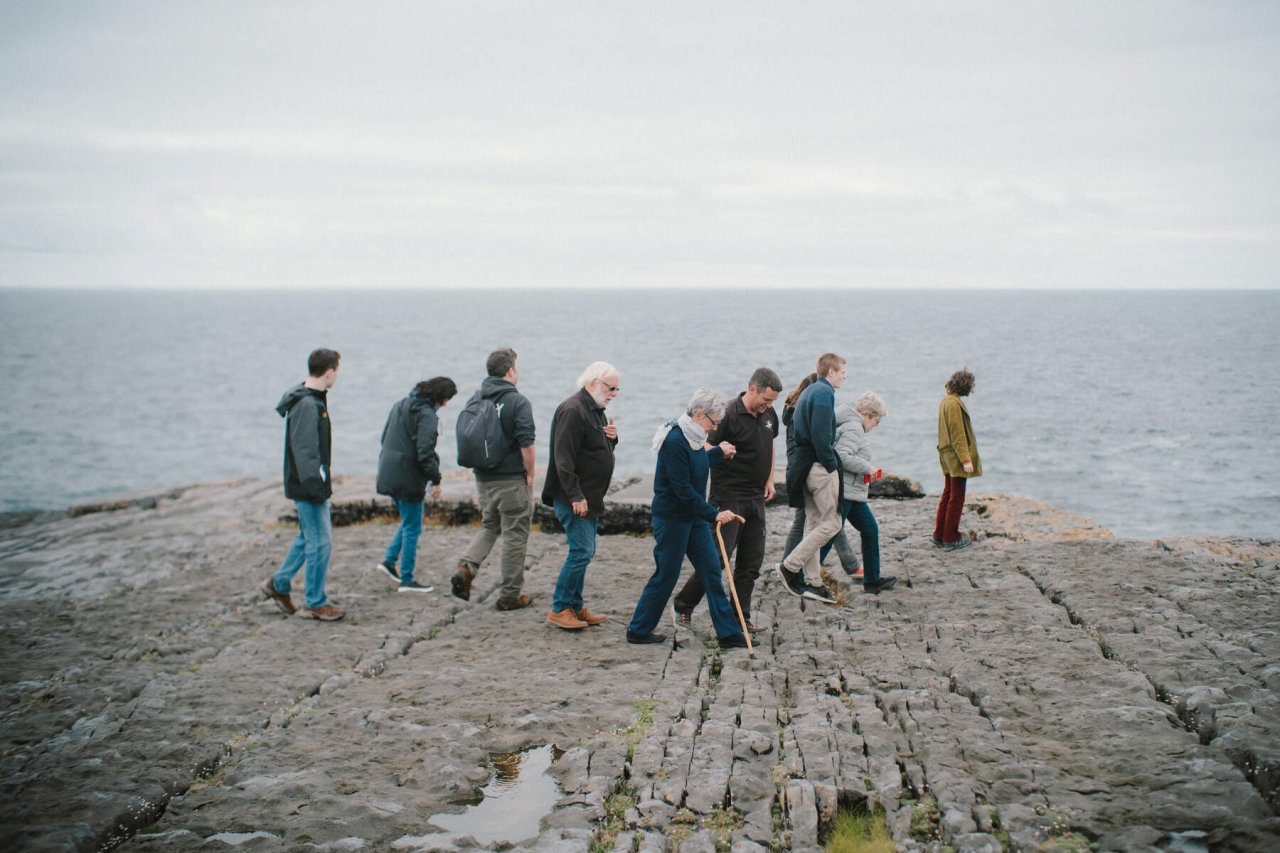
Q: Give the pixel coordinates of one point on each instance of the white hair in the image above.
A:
(710, 403)
(871, 405)
(596, 371)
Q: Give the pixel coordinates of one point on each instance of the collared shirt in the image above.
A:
(743, 477)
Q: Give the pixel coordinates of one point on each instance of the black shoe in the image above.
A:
(644, 639)
(957, 545)
(793, 582)
(733, 641)
(389, 570)
(886, 582)
(414, 586)
(818, 593)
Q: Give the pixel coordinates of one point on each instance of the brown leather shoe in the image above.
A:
(587, 616)
(565, 619)
(513, 603)
(461, 583)
(281, 599)
(327, 613)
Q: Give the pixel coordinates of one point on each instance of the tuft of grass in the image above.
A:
(635, 732)
(615, 812)
(725, 821)
(859, 832)
(925, 819)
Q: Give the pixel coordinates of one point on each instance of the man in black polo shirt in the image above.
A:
(742, 484)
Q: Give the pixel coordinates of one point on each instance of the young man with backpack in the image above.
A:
(495, 434)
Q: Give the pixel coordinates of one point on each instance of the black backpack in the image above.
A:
(482, 444)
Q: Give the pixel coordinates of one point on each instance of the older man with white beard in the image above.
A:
(578, 474)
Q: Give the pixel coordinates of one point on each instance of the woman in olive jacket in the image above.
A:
(958, 454)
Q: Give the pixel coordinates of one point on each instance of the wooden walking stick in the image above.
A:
(733, 592)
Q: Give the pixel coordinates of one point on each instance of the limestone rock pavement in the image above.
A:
(1046, 688)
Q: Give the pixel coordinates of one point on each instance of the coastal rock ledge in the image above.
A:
(1048, 688)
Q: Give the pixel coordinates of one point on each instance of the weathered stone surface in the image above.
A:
(1044, 681)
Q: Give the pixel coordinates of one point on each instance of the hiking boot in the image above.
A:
(281, 599)
(414, 586)
(886, 582)
(818, 593)
(956, 546)
(327, 613)
(793, 582)
(389, 570)
(733, 641)
(937, 543)
(587, 616)
(565, 619)
(644, 639)
(461, 583)
(513, 603)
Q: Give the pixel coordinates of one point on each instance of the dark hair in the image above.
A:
(322, 361)
(828, 362)
(961, 383)
(765, 378)
(440, 389)
(500, 361)
(795, 395)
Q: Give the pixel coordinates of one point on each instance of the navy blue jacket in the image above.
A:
(811, 438)
(680, 481)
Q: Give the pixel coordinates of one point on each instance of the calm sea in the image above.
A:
(1153, 412)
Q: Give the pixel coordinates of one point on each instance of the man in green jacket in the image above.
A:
(308, 482)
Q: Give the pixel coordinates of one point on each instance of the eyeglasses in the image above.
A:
(714, 421)
(613, 388)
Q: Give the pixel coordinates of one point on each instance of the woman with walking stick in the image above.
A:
(682, 521)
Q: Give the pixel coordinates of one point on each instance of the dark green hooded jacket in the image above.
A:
(408, 461)
(308, 442)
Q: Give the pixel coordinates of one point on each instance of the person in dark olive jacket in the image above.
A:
(308, 483)
(578, 475)
(407, 464)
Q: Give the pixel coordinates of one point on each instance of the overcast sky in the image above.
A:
(389, 144)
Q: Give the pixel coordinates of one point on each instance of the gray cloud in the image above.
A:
(834, 144)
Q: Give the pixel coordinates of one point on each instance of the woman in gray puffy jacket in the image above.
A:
(854, 451)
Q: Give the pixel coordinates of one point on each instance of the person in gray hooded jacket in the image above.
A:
(408, 464)
(308, 482)
(854, 452)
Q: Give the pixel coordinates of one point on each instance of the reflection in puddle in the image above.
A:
(520, 794)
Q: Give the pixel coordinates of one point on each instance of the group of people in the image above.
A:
(726, 444)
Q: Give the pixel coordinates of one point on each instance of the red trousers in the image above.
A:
(950, 505)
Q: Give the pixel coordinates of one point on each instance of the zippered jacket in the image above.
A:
(854, 450)
(581, 461)
(408, 463)
(308, 444)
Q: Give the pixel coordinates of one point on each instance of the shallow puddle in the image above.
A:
(516, 799)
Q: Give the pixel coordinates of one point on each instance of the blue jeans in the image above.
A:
(312, 546)
(860, 516)
(406, 538)
(673, 539)
(582, 547)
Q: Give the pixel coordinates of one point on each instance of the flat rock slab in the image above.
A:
(1048, 688)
